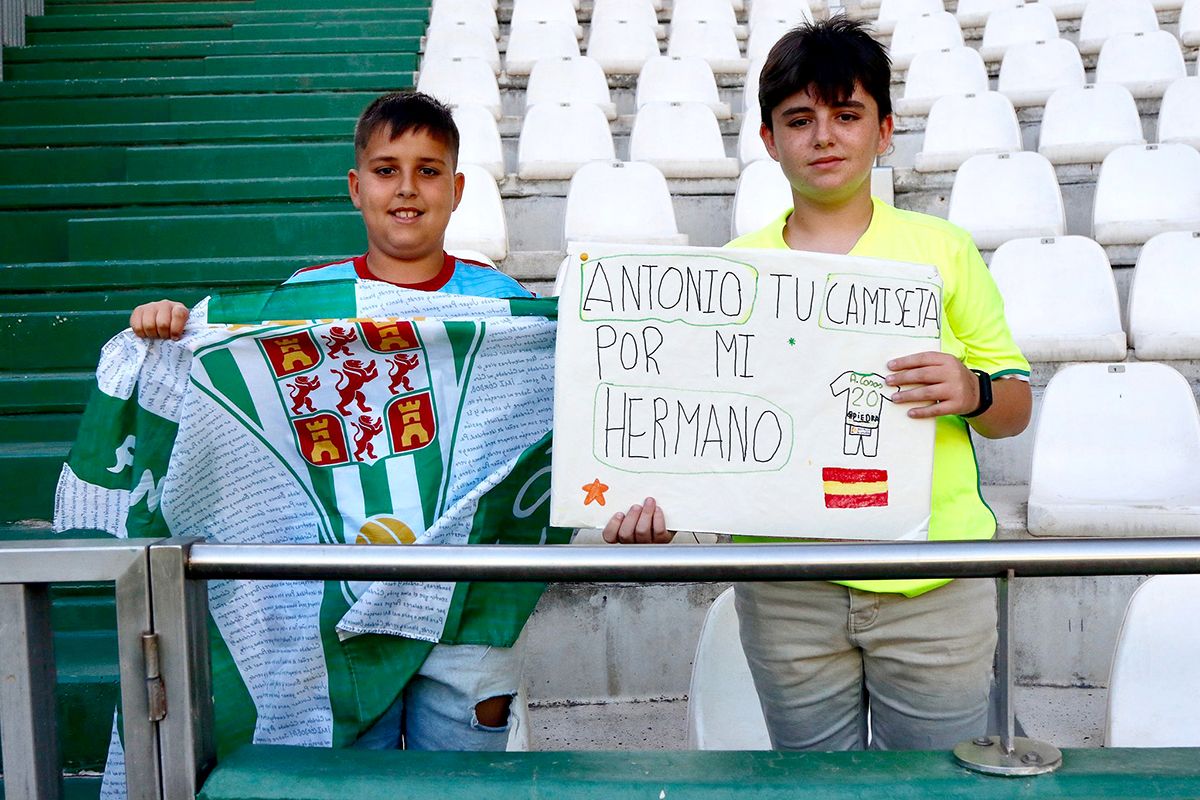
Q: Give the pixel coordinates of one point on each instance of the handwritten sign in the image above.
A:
(744, 389)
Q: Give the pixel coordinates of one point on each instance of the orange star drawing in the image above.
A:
(595, 491)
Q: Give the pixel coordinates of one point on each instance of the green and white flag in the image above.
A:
(334, 412)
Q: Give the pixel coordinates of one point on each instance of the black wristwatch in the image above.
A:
(985, 394)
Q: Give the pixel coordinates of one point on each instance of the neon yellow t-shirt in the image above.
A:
(975, 331)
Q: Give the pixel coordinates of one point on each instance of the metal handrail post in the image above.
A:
(143, 777)
(187, 750)
(28, 721)
(12, 23)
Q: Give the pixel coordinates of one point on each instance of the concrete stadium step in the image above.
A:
(107, 300)
(256, 32)
(65, 235)
(166, 274)
(218, 19)
(172, 193)
(18, 61)
(39, 341)
(374, 82)
(177, 6)
(216, 235)
(1064, 716)
(33, 428)
(32, 393)
(399, 58)
(29, 472)
(224, 108)
(61, 134)
(194, 162)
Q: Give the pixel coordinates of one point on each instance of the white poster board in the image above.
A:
(743, 389)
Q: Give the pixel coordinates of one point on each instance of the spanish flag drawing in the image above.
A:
(854, 488)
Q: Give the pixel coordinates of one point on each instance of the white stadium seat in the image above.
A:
(478, 223)
(618, 201)
(570, 80)
(1060, 299)
(790, 11)
(461, 81)
(1066, 9)
(472, 12)
(914, 35)
(546, 11)
(1032, 71)
(1034, 22)
(641, 11)
(723, 712)
(530, 42)
(963, 125)
(1103, 19)
(973, 13)
(622, 46)
(1179, 114)
(707, 10)
(715, 42)
(556, 140)
(763, 193)
(463, 40)
(1189, 23)
(492, 4)
(936, 73)
(1163, 324)
(682, 139)
(892, 11)
(1116, 453)
(1145, 190)
(1085, 124)
(681, 80)
(1006, 196)
(750, 143)
(763, 37)
(750, 91)
(479, 139)
(1144, 63)
(1152, 697)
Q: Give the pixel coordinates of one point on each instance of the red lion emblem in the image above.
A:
(401, 365)
(367, 429)
(355, 377)
(300, 389)
(337, 339)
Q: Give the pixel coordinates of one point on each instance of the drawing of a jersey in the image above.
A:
(865, 393)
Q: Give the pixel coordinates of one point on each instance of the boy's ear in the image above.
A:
(768, 137)
(887, 126)
(352, 181)
(460, 181)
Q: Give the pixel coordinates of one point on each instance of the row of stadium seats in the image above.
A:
(622, 40)
(1079, 126)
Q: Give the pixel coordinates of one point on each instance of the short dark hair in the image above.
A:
(401, 112)
(827, 58)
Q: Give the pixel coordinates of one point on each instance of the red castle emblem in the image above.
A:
(411, 422)
(388, 337)
(322, 440)
(291, 353)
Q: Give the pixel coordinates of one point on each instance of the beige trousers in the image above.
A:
(823, 654)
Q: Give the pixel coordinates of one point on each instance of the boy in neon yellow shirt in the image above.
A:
(917, 653)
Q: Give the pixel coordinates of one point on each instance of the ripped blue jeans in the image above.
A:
(437, 709)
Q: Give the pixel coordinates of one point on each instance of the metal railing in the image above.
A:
(161, 590)
(12, 22)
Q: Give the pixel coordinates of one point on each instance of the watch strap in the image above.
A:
(985, 394)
